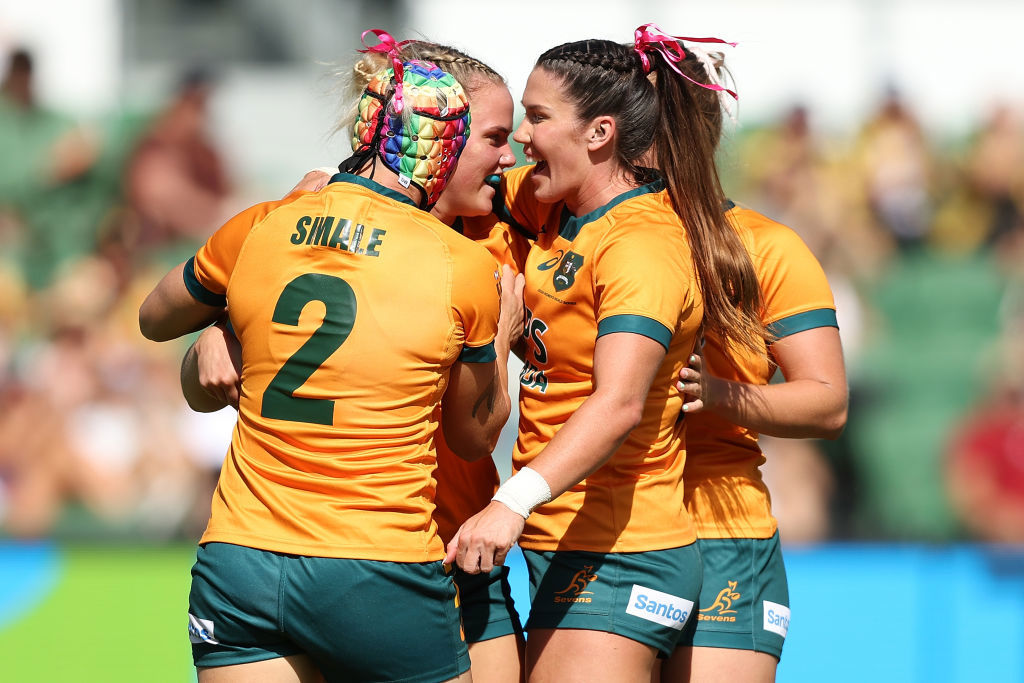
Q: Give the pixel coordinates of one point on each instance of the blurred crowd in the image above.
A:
(922, 239)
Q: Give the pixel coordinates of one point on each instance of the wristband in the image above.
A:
(523, 492)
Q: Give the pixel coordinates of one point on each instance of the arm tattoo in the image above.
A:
(488, 396)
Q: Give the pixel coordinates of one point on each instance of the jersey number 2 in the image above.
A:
(279, 401)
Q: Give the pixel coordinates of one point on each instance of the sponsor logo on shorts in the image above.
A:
(721, 608)
(776, 618)
(577, 587)
(200, 630)
(661, 608)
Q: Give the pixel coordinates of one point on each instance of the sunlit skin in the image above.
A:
(575, 163)
(487, 152)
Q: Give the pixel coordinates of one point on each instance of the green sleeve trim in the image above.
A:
(636, 324)
(478, 354)
(801, 322)
(198, 291)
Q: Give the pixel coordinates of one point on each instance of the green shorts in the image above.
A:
(358, 620)
(744, 604)
(648, 597)
(488, 610)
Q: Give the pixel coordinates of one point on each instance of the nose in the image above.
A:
(507, 158)
(522, 134)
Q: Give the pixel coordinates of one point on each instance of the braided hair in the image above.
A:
(471, 73)
(658, 116)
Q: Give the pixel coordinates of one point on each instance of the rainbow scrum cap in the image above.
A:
(415, 118)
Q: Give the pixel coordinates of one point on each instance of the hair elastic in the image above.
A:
(389, 47)
(650, 38)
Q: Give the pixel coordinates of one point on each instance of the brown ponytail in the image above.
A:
(604, 78)
(685, 139)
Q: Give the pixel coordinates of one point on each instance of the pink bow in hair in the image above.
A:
(389, 47)
(650, 38)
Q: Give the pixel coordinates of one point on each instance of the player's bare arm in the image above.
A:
(170, 311)
(810, 404)
(624, 367)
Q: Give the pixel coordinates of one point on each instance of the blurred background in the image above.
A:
(889, 135)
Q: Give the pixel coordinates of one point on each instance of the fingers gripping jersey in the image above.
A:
(724, 491)
(351, 306)
(616, 269)
(465, 488)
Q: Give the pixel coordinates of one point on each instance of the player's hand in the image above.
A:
(314, 180)
(693, 384)
(219, 361)
(512, 317)
(486, 538)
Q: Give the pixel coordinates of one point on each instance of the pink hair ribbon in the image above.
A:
(389, 47)
(650, 38)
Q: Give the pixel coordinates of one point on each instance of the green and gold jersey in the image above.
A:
(616, 269)
(351, 305)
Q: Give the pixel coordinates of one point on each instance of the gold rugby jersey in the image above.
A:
(724, 491)
(624, 267)
(351, 306)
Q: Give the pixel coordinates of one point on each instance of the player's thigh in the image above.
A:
(719, 665)
(743, 614)
(294, 669)
(582, 656)
(498, 660)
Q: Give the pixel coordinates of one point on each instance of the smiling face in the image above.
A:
(554, 137)
(487, 152)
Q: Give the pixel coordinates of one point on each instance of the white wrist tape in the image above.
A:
(523, 492)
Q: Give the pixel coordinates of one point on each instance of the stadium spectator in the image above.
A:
(176, 183)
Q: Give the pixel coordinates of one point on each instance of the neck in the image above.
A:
(389, 179)
(439, 212)
(604, 184)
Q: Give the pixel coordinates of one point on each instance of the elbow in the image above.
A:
(469, 443)
(470, 451)
(838, 424)
(834, 423)
(629, 415)
(150, 330)
(151, 324)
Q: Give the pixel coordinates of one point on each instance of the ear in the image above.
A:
(600, 132)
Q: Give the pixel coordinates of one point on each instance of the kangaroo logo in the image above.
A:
(724, 600)
(579, 582)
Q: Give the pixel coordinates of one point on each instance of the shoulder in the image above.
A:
(761, 233)
(647, 219)
(262, 211)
